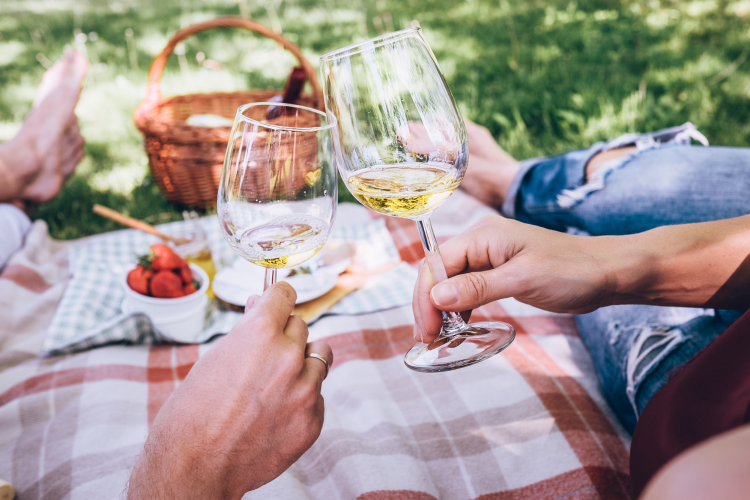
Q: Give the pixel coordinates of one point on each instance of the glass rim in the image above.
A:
(377, 41)
(331, 120)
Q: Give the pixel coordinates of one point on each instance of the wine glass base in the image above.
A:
(477, 342)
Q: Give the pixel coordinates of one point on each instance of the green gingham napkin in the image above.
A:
(90, 312)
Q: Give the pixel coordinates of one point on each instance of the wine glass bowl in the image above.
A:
(401, 148)
(277, 194)
(399, 128)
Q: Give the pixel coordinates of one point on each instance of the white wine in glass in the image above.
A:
(402, 150)
(278, 189)
(402, 190)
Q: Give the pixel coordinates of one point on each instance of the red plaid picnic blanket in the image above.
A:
(529, 423)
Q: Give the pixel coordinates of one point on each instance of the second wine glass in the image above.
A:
(402, 150)
(278, 189)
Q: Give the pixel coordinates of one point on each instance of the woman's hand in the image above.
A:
(248, 409)
(498, 258)
(691, 265)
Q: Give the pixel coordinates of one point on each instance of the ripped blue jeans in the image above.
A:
(665, 181)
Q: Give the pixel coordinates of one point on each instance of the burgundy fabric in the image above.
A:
(711, 395)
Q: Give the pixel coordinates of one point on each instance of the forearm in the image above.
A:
(692, 265)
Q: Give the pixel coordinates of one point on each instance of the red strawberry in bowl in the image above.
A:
(177, 308)
(162, 259)
(186, 274)
(138, 279)
(165, 258)
(166, 285)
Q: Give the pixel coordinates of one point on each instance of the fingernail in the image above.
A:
(445, 294)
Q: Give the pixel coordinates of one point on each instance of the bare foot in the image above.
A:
(40, 158)
(442, 147)
(67, 72)
(491, 170)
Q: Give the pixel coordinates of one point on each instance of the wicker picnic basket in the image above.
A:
(185, 160)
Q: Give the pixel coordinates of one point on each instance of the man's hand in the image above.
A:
(498, 258)
(248, 409)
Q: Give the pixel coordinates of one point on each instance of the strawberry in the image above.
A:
(186, 274)
(138, 279)
(188, 289)
(165, 257)
(166, 285)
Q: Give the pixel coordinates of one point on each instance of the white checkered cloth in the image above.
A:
(90, 313)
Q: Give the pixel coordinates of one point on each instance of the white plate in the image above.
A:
(237, 283)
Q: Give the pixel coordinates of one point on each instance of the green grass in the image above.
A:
(544, 76)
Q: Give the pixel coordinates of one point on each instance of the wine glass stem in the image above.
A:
(453, 323)
(270, 278)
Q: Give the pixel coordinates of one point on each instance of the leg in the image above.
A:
(671, 184)
(44, 153)
(707, 401)
(628, 185)
(636, 347)
(491, 170)
(622, 191)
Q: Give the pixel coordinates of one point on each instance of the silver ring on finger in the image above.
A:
(324, 360)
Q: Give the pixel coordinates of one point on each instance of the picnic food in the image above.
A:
(138, 279)
(166, 285)
(186, 274)
(164, 257)
(163, 274)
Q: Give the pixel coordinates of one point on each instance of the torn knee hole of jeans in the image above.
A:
(568, 198)
(650, 346)
(682, 135)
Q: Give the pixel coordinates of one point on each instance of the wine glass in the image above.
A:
(402, 150)
(278, 189)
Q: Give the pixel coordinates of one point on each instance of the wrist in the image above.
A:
(183, 464)
(166, 470)
(632, 266)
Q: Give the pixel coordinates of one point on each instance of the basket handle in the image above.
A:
(153, 93)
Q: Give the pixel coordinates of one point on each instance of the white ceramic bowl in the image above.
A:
(180, 319)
